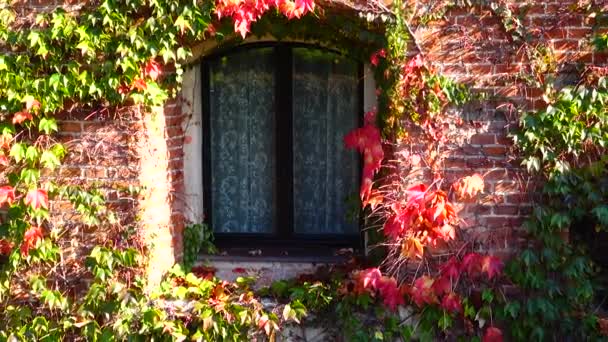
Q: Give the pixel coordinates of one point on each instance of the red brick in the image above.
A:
(480, 69)
(174, 131)
(516, 198)
(70, 127)
(483, 139)
(454, 69)
(566, 45)
(556, 33)
(95, 173)
(536, 9)
(479, 162)
(579, 33)
(495, 150)
(176, 153)
(69, 172)
(454, 163)
(506, 210)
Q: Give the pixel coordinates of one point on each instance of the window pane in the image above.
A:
(242, 142)
(325, 108)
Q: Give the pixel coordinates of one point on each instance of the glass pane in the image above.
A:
(242, 142)
(325, 105)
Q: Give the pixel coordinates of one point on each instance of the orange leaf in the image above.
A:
(5, 140)
(491, 265)
(31, 103)
(412, 248)
(139, 84)
(469, 186)
(37, 198)
(31, 237)
(375, 198)
(19, 117)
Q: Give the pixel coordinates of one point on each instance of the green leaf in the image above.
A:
(32, 154)
(18, 152)
(30, 176)
(49, 160)
(487, 296)
(48, 125)
(34, 38)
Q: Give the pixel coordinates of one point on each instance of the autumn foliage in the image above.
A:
(245, 12)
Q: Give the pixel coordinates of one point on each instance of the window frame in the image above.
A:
(284, 236)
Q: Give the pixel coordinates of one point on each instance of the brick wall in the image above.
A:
(130, 148)
(136, 159)
(473, 47)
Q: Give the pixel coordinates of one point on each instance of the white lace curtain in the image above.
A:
(243, 141)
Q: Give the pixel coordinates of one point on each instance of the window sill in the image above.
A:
(274, 259)
(286, 255)
(268, 267)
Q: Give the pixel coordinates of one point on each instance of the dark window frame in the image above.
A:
(284, 237)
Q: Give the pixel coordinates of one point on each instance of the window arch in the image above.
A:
(274, 165)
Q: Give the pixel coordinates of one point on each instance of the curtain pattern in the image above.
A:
(325, 109)
(242, 142)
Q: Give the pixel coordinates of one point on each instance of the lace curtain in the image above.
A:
(324, 111)
(243, 159)
(242, 142)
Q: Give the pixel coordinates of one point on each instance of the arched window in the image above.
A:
(275, 167)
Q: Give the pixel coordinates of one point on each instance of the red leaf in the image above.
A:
(370, 117)
(204, 272)
(451, 268)
(442, 285)
(30, 239)
(19, 117)
(152, 69)
(390, 292)
(37, 198)
(123, 89)
(7, 194)
(415, 193)
(422, 291)
(446, 232)
(3, 160)
(393, 227)
(492, 334)
(492, 266)
(239, 270)
(374, 59)
(451, 302)
(263, 321)
(471, 263)
(6, 247)
(370, 277)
